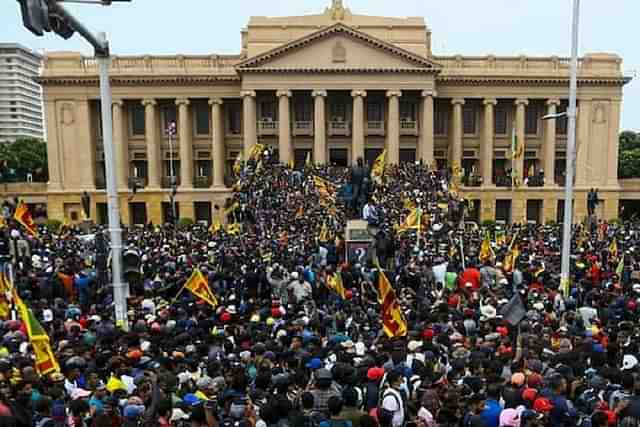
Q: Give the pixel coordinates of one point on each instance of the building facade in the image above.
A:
(20, 94)
(339, 86)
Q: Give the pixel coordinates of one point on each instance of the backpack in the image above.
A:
(386, 414)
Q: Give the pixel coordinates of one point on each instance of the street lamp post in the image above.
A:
(565, 271)
(171, 134)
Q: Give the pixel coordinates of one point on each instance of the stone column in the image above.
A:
(53, 148)
(84, 154)
(319, 127)
(517, 165)
(612, 150)
(426, 129)
(486, 147)
(583, 138)
(357, 145)
(218, 151)
(153, 147)
(393, 130)
(249, 120)
(185, 141)
(456, 133)
(284, 126)
(550, 144)
(120, 143)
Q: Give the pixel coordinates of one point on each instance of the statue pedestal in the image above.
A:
(359, 242)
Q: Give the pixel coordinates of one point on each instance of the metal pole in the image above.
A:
(571, 154)
(119, 291)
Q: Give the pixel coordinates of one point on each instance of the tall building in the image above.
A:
(340, 86)
(20, 93)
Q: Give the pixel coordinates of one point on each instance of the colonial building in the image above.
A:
(340, 86)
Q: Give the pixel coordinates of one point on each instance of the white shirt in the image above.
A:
(392, 402)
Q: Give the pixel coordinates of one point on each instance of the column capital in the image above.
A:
(149, 102)
(215, 101)
(553, 101)
(429, 93)
(283, 92)
(522, 101)
(319, 92)
(457, 101)
(117, 103)
(359, 93)
(490, 101)
(248, 93)
(394, 93)
(182, 101)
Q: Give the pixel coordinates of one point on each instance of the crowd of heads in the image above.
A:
(282, 349)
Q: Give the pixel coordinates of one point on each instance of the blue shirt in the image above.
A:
(491, 413)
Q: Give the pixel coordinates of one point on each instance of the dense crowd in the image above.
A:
(281, 348)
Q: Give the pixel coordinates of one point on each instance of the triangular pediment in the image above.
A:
(338, 48)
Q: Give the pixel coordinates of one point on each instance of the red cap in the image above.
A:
(225, 317)
(427, 334)
(542, 405)
(529, 394)
(502, 330)
(375, 373)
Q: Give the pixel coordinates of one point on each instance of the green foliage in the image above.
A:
(53, 225)
(21, 157)
(629, 155)
(185, 222)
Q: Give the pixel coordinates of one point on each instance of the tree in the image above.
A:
(629, 155)
(22, 157)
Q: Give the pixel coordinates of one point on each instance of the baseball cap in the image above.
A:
(542, 405)
(629, 362)
(375, 373)
(529, 394)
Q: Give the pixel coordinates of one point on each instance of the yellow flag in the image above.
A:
(377, 171)
(325, 234)
(486, 252)
(215, 226)
(511, 258)
(234, 229)
(393, 321)
(198, 286)
(408, 204)
(413, 221)
(256, 152)
(232, 208)
(334, 282)
(613, 248)
(237, 165)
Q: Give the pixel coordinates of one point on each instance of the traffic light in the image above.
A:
(35, 16)
(60, 26)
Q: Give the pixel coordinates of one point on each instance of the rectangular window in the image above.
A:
(374, 112)
(137, 116)
(338, 112)
(169, 115)
(441, 120)
(302, 111)
(234, 118)
(268, 110)
(500, 121)
(469, 120)
(201, 114)
(408, 111)
(561, 122)
(531, 120)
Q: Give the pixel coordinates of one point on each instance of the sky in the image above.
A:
(466, 27)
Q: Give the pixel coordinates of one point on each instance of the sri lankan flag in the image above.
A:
(511, 258)
(215, 226)
(326, 189)
(393, 321)
(501, 237)
(377, 171)
(486, 252)
(325, 234)
(233, 229)
(6, 288)
(198, 286)
(613, 248)
(23, 216)
(413, 221)
(334, 282)
(45, 360)
(256, 152)
(237, 165)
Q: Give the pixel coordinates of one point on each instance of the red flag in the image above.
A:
(23, 216)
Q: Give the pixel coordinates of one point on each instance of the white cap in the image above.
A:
(629, 362)
(47, 315)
